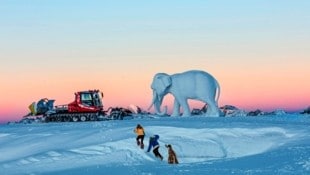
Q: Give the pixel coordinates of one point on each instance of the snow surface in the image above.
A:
(233, 145)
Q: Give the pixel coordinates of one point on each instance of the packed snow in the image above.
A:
(278, 144)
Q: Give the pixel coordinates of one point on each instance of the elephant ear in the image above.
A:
(165, 80)
(161, 82)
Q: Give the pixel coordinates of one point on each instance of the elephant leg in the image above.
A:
(186, 110)
(212, 110)
(176, 109)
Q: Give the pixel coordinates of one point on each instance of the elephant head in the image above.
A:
(160, 86)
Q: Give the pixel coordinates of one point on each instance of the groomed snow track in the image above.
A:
(72, 117)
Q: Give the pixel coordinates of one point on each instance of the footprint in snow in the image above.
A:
(54, 155)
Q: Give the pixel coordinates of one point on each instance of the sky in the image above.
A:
(258, 50)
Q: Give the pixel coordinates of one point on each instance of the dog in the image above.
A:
(172, 157)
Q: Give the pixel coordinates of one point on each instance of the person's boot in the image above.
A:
(161, 157)
(142, 146)
(138, 142)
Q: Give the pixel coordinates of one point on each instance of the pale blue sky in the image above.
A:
(51, 25)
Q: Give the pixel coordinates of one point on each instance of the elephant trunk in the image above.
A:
(157, 102)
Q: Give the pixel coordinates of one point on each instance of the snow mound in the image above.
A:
(62, 147)
(278, 112)
(232, 111)
(306, 111)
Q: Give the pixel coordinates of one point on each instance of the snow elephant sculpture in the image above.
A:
(194, 84)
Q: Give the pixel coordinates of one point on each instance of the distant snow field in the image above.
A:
(225, 145)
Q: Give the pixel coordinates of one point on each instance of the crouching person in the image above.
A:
(154, 143)
(172, 157)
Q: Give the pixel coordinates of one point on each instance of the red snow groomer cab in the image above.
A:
(87, 106)
(86, 101)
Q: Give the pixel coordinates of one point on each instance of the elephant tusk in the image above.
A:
(156, 102)
(153, 100)
(150, 107)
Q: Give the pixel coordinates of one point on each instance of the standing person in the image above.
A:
(154, 143)
(140, 135)
(172, 157)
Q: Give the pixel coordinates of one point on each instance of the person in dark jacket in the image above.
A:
(154, 143)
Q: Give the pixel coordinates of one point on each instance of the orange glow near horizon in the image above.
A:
(247, 91)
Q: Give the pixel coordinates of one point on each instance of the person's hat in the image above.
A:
(168, 146)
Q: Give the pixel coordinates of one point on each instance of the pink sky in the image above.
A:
(247, 88)
(259, 51)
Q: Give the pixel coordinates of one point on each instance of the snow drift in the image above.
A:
(203, 145)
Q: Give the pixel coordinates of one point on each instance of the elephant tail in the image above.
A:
(218, 91)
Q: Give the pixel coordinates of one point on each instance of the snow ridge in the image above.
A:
(62, 147)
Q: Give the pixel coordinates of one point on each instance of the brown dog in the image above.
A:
(172, 157)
